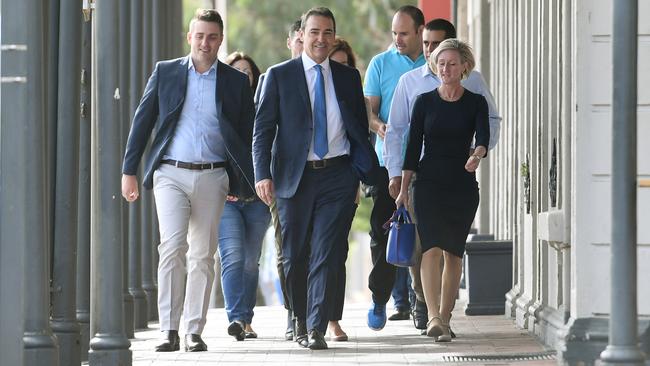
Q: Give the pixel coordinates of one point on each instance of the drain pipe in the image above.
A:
(623, 343)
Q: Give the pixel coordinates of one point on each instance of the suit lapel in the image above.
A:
(221, 86)
(303, 90)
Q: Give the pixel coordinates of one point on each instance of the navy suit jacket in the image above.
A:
(161, 106)
(284, 128)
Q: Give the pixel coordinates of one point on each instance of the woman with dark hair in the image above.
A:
(241, 233)
(342, 53)
(245, 64)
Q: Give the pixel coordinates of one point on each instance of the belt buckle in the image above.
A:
(319, 164)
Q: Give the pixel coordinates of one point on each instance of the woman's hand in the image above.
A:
(472, 163)
(474, 159)
(402, 199)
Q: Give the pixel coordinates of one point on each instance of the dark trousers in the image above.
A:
(322, 202)
(382, 275)
(336, 311)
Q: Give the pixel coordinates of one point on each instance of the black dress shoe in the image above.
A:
(236, 329)
(194, 343)
(170, 341)
(301, 332)
(400, 314)
(288, 334)
(316, 340)
(420, 316)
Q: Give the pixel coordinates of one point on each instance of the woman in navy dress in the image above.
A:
(446, 197)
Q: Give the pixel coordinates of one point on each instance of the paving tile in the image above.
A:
(397, 344)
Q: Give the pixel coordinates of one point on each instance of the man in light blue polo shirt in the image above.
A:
(409, 87)
(382, 76)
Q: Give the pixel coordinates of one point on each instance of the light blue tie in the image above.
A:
(320, 115)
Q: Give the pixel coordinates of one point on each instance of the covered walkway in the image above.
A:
(481, 340)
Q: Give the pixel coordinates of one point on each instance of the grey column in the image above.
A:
(109, 345)
(140, 317)
(148, 267)
(14, 222)
(157, 49)
(41, 347)
(623, 339)
(64, 262)
(125, 106)
(51, 116)
(83, 201)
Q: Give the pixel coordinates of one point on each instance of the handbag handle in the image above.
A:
(403, 215)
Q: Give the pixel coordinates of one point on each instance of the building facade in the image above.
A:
(548, 184)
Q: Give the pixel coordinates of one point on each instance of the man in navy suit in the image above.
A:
(203, 112)
(310, 148)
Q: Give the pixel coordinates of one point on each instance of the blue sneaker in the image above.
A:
(377, 316)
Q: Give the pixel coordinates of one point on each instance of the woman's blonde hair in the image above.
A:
(463, 49)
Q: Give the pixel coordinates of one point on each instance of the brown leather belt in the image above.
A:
(192, 166)
(326, 163)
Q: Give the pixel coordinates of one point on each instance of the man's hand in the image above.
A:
(378, 128)
(394, 186)
(265, 191)
(130, 187)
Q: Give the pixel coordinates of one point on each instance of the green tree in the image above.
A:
(259, 28)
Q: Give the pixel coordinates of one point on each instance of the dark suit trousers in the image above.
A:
(336, 311)
(382, 275)
(322, 202)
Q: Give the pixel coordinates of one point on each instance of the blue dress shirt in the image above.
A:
(197, 137)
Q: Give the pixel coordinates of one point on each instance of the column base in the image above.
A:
(549, 323)
(522, 305)
(140, 309)
(116, 357)
(129, 324)
(67, 334)
(84, 333)
(511, 301)
(622, 355)
(41, 349)
(152, 302)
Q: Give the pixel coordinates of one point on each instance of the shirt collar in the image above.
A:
(190, 65)
(426, 71)
(394, 50)
(308, 63)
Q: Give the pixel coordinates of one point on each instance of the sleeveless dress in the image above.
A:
(445, 195)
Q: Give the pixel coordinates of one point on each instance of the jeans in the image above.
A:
(402, 292)
(241, 233)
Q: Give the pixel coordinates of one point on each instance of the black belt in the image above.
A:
(192, 166)
(326, 163)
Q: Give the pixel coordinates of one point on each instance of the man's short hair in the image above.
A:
(440, 24)
(318, 11)
(207, 15)
(414, 12)
(295, 27)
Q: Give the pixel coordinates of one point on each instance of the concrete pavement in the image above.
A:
(489, 340)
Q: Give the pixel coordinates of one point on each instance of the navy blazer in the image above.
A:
(161, 106)
(284, 128)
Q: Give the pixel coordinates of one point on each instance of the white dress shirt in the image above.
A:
(337, 140)
(409, 87)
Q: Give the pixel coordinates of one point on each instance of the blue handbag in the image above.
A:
(401, 239)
